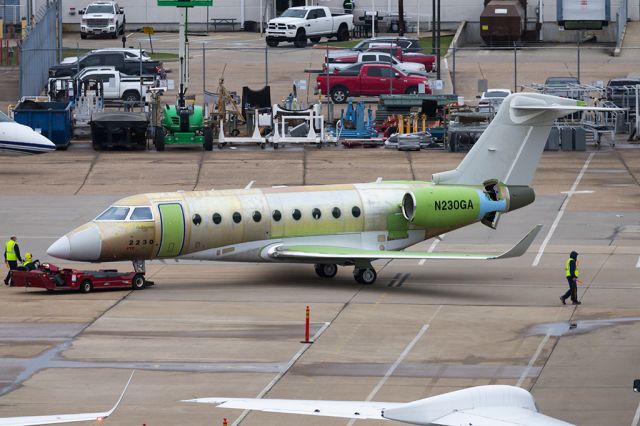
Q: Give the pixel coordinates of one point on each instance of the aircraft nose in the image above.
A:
(83, 244)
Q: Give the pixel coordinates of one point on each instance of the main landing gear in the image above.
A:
(366, 276)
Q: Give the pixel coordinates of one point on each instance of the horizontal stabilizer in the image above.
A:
(492, 405)
(308, 252)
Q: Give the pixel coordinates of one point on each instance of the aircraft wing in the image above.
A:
(62, 418)
(344, 409)
(345, 253)
(492, 405)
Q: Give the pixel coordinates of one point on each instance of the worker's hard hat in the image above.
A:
(28, 256)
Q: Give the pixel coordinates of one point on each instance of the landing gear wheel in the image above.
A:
(366, 276)
(86, 286)
(138, 282)
(326, 270)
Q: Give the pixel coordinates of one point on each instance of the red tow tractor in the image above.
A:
(52, 278)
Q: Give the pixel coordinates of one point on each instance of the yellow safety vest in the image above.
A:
(26, 262)
(10, 249)
(568, 268)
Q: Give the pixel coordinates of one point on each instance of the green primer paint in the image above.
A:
(397, 226)
(172, 228)
(448, 206)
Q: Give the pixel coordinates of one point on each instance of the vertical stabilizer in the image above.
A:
(511, 146)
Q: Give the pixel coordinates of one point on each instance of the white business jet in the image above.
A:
(17, 139)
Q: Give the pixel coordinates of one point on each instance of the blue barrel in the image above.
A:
(53, 119)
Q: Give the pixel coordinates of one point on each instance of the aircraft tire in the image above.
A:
(138, 282)
(326, 270)
(366, 276)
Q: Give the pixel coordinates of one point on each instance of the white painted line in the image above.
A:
(533, 359)
(636, 417)
(129, 35)
(638, 264)
(578, 192)
(536, 261)
(402, 356)
(432, 247)
(276, 379)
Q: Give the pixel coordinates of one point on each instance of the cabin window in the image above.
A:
(316, 213)
(355, 211)
(141, 213)
(216, 218)
(297, 214)
(257, 216)
(336, 212)
(276, 215)
(197, 220)
(114, 213)
(237, 217)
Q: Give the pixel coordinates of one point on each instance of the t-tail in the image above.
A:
(510, 148)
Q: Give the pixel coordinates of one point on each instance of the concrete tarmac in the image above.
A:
(223, 329)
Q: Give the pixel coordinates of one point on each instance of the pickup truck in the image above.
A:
(369, 80)
(410, 68)
(115, 85)
(119, 60)
(297, 24)
(429, 61)
(102, 17)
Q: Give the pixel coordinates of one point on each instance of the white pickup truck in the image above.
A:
(297, 24)
(409, 68)
(115, 85)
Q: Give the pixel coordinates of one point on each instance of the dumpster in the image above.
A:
(52, 119)
(119, 129)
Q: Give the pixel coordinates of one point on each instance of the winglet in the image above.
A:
(522, 246)
(110, 412)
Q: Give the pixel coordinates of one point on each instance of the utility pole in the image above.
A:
(401, 28)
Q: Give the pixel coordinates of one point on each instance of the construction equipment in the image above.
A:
(183, 124)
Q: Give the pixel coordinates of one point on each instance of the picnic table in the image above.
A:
(224, 21)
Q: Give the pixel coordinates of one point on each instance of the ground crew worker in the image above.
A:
(11, 256)
(572, 274)
(29, 264)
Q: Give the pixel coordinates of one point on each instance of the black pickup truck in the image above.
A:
(115, 59)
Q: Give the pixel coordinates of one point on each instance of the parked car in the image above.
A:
(622, 92)
(297, 24)
(407, 44)
(429, 61)
(492, 99)
(130, 54)
(410, 68)
(102, 17)
(118, 60)
(371, 80)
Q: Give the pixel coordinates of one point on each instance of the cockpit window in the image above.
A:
(114, 213)
(141, 213)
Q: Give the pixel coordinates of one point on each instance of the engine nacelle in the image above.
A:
(455, 206)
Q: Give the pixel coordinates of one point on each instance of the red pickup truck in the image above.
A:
(429, 61)
(369, 80)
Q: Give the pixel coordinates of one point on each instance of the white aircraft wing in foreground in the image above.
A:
(493, 405)
(62, 418)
